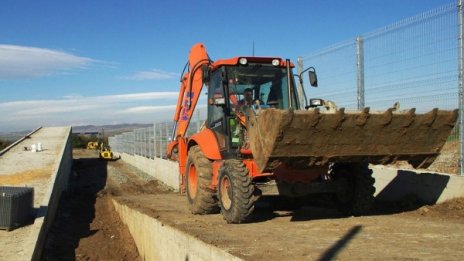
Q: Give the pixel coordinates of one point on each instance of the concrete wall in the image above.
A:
(58, 184)
(163, 170)
(393, 184)
(157, 241)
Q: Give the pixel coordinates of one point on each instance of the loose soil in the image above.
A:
(26, 176)
(446, 162)
(87, 227)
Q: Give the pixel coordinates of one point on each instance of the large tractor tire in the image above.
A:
(199, 172)
(236, 192)
(358, 197)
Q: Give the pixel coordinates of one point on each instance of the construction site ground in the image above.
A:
(88, 228)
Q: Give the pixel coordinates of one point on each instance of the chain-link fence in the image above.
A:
(147, 142)
(413, 62)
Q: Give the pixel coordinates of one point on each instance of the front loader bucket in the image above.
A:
(313, 138)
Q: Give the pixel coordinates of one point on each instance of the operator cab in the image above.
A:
(230, 84)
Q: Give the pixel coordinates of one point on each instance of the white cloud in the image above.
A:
(146, 107)
(56, 108)
(154, 74)
(73, 96)
(149, 109)
(18, 62)
(67, 101)
(141, 96)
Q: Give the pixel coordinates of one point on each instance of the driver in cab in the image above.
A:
(247, 98)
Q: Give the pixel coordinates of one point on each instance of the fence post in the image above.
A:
(300, 86)
(145, 147)
(131, 137)
(137, 143)
(155, 137)
(160, 141)
(166, 138)
(461, 85)
(147, 142)
(360, 65)
(152, 138)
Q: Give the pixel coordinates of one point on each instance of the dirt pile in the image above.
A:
(448, 210)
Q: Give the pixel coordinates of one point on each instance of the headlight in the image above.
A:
(315, 102)
(243, 61)
(275, 62)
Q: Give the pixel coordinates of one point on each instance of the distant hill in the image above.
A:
(13, 136)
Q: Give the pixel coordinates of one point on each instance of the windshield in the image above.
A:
(266, 83)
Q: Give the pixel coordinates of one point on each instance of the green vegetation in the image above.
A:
(80, 141)
(4, 144)
(454, 136)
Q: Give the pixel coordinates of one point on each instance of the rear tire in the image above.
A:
(199, 172)
(357, 199)
(236, 192)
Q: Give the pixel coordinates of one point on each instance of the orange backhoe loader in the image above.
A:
(258, 139)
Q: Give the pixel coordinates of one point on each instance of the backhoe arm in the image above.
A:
(190, 90)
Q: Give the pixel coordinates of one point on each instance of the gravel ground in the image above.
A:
(406, 230)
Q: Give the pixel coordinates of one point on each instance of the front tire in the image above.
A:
(199, 172)
(236, 192)
(356, 199)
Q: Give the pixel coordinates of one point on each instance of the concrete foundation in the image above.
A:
(157, 241)
(48, 172)
(165, 171)
(59, 184)
(391, 184)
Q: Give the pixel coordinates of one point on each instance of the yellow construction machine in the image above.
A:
(106, 153)
(92, 145)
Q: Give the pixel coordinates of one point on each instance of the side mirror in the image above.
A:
(312, 77)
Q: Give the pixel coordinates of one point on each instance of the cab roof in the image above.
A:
(235, 60)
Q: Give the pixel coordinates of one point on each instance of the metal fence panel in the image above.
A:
(413, 62)
(148, 142)
(337, 74)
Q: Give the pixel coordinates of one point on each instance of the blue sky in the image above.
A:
(108, 62)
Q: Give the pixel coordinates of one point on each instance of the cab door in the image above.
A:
(216, 109)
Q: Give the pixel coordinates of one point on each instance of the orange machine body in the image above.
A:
(192, 83)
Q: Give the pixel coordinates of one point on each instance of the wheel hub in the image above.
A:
(192, 181)
(226, 193)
